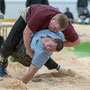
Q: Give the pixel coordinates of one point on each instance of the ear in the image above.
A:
(54, 18)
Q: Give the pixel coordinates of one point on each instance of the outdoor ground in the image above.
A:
(52, 80)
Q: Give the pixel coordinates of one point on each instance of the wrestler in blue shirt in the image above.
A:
(40, 54)
(43, 44)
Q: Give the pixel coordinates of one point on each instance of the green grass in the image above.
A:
(83, 50)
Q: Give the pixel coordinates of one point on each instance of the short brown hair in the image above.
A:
(59, 44)
(62, 20)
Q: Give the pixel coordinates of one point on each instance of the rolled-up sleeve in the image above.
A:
(35, 21)
(70, 33)
(40, 58)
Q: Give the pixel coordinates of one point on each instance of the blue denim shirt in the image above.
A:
(41, 55)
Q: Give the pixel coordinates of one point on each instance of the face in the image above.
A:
(50, 45)
(54, 26)
(85, 11)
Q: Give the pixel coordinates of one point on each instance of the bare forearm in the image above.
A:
(27, 41)
(30, 74)
(72, 44)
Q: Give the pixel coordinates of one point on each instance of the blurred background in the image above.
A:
(71, 8)
(13, 7)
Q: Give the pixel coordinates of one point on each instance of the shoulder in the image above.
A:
(39, 44)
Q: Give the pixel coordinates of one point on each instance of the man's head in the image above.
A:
(86, 11)
(58, 23)
(67, 9)
(54, 45)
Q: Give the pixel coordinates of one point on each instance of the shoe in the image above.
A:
(3, 71)
(65, 71)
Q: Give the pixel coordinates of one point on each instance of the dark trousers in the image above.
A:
(1, 41)
(13, 39)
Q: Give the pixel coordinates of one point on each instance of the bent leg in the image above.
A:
(20, 55)
(51, 64)
(13, 38)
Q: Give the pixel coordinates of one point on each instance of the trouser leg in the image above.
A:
(1, 41)
(20, 54)
(51, 64)
(13, 38)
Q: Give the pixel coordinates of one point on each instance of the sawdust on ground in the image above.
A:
(52, 80)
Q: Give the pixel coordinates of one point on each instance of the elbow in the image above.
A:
(78, 42)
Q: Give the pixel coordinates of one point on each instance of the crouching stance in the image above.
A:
(43, 44)
(27, 24)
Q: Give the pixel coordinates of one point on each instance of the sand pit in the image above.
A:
(52, 80)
